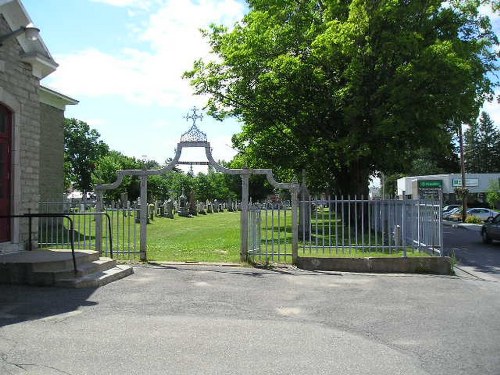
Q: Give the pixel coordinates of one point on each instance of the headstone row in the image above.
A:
(182, 207)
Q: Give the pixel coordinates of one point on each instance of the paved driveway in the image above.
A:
(224, 320)
(473, 256)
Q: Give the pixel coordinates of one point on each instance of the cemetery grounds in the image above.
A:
(203, 238)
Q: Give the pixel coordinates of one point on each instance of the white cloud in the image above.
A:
(487, 10)
(152, 77)
(142, 4)
(493, 109)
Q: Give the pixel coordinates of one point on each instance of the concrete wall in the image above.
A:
(51, 154)
(19, 90)
(432, 265)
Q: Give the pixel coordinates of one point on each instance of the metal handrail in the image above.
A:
(109, 226)
(30, 216)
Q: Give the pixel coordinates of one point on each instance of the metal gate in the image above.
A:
(345, 227)
(270, 232)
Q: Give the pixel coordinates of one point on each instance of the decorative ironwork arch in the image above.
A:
(196, 138)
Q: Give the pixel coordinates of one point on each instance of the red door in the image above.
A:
(5, 143)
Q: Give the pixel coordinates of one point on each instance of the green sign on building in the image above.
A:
(430, 184)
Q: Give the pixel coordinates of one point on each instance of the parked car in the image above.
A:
(482, 213)
(491, 229)
(449, 207)
(453, 214)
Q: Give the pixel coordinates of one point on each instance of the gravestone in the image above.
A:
(183, 206)
(138, 211)
(192, 204)
(124, 199)
(229, 205)
(201, 208)
(168, 206)
(151, 212)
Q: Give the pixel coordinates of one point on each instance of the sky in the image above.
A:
(123, 61)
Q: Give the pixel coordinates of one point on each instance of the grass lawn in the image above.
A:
(203, 238)
(216, 238)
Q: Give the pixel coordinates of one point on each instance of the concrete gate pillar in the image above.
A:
(245, 177)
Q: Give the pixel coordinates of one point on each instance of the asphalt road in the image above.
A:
(225, 320)
(474, 257)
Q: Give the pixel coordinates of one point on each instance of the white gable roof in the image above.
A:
(34, 52)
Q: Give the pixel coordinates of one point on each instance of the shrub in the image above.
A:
(473, 220)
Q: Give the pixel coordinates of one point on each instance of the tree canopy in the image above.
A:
(342, 89)
(82, 150)
(482, 146)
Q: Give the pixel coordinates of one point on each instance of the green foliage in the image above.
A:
(171, 184)
(482, 146)
(346, 88)
(471, 219)
(105, 173)
(493, 194)
(82, 150)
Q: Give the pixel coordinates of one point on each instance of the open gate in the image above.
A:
(196, 138)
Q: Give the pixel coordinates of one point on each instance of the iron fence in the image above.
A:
(120, 231)
(346, 227)
(338, 226)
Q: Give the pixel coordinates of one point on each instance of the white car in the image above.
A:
(482, 213)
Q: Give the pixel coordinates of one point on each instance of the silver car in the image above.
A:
(482, 213)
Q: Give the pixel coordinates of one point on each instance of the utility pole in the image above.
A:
(462, 170)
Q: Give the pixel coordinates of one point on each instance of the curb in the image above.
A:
(420, 265)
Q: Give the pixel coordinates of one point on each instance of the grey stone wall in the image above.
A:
(51, 154)
(19, 86)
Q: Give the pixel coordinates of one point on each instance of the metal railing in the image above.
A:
(336, 226)
(119, 235)
(340, 227)
(30, 218)
(52, 234)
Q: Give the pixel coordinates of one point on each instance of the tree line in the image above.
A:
(89, 161)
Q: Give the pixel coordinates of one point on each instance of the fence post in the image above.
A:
(98, 222)
(144, 216)
(440, 223)
(244, 214)
(295, 222)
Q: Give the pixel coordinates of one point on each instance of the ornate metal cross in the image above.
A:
(194, 115)
(194, 134)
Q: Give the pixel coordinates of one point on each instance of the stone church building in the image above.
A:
(31, 126)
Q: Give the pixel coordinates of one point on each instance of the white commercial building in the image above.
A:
(415, 187)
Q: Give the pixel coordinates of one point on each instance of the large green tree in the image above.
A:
(82, 150)
(342, 89)
(482, 146)
(105, 173)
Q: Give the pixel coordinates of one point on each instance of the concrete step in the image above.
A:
(96, 279)
(101, 264)
(63, 261)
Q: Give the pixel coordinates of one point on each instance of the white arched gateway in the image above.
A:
(196, 138)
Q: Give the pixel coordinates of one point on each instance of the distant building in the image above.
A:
(31, 127)
(415, 187)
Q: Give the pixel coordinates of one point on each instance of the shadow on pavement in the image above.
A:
(19, 303)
